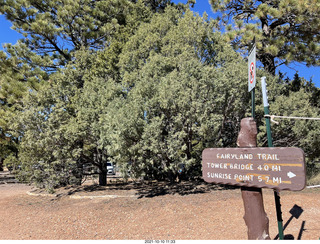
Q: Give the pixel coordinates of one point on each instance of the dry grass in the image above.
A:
(315, 180)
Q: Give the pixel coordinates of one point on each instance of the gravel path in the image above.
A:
(167, 215)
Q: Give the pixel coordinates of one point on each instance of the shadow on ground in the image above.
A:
(295, 212)
(144, 189)
(182, 188)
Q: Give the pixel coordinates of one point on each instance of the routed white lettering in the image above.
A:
(218, 176)
(267, 156)
(241, 166)
(235, 156)
(243, 177)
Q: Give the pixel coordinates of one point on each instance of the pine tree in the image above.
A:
(57, 29)
(16, 80)
(285, 30)
(61, 70)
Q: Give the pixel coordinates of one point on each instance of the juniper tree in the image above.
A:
(294, 132)
(61, 125)
(185, 90)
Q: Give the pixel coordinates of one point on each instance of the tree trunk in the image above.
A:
(103, 174)
(267, 59)
(1, 164)
(102, 178)
(268, 63)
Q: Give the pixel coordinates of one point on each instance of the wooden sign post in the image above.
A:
(254, 215)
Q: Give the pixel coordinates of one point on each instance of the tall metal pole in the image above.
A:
(270, 144)
(252, 73)
(253, 103)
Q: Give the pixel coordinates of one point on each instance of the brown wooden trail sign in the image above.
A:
(279, 168)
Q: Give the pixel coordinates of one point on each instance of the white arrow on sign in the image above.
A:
(291, 175)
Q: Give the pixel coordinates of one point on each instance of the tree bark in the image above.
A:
(1, 164)
(267, 59)
(255, 216)
(101, 163)
(102, 178)
(103, 174)
(268, 62)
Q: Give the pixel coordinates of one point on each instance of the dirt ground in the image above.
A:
(190, 211)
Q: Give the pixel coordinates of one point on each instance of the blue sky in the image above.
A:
(8, 35)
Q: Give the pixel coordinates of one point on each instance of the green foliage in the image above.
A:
(295, 99)
(61, 124)
(48, 151)
(11, 163)
(145, 84)
(184, 87)
(54, 35)
(56, 29)
(16, 78)
(285, 30)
